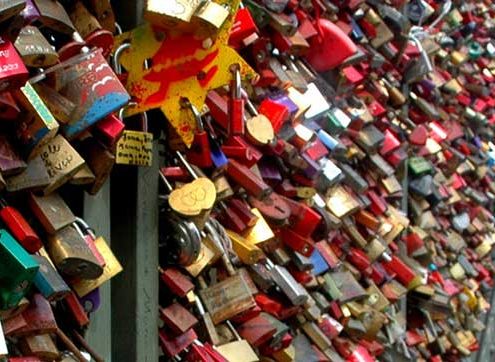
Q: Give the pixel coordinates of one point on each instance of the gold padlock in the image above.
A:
(71, 254)
(112, 268)
(210, 16)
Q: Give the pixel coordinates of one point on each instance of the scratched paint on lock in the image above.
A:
(182, 65)
(92, 85)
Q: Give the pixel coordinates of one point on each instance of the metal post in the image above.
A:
(134, 196)
(97, 214)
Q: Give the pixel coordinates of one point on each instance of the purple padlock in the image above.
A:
(30, 12)
(314, 169)
(282, 98)
(91, 301)
(269, 171)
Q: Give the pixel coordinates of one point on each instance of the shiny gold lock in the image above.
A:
(248, 253)
(340, 202)
(210, 16)
(112, 267)
(260, 233)
(457, 58)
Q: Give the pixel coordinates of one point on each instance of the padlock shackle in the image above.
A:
(251, 108)
(197, 115)
(187, 165)
(85, 228)
(235, 87)
(233, 330)
(116, 57)
(165, 181)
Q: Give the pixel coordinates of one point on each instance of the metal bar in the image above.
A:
(97, 214)
(134, 197)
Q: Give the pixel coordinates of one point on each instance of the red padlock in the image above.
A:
(276, 112)
(236, 104)
(177, 282)
(242, 28)
(200, 152)
(13, 72)
(172, 346)
(19, 227)
(109, 129)
(330, 48)
(78, 314)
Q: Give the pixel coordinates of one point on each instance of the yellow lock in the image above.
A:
(247, 252)
(261, 232)
(197, 64)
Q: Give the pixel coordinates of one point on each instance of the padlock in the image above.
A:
(41, 345)
(34, 49)
(99, 160)
(10, 9)
(51, 211)
(90, 29)
(210, 16)
(112, 267)
(135, 147)
(70, 253)
(177, 318)
(199, 154)
(14, 72)
(330, 37)
(61, 161)
(259, 129)
(16, 285)
(239, 298)
(239, 350)
(109, 129)
(60, 107)
(48, 281)
(11, 162)
(200, 206)
(243, 28)
(19, 227)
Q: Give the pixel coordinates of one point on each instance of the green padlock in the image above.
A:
(17, 271)
(419, 166)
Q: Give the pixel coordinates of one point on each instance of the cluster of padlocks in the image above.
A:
(326, 166)
(328, 189)
(59, 133)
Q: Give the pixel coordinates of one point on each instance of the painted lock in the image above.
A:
(17, 271)
(330, 48)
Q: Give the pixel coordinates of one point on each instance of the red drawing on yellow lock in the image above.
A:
(182, 66)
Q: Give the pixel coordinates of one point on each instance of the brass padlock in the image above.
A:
(210, 16)
(54, 16)
(34, 49)
(34, 177)
(70, 253)
(61, 161)
(112, 268)
(227, 298)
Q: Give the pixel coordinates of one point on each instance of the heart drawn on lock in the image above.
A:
(193, 198)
